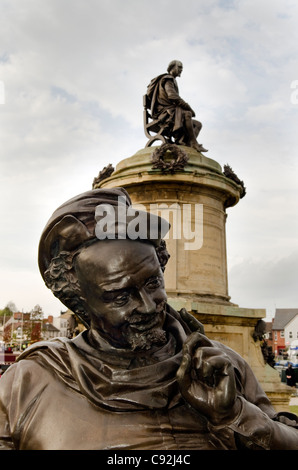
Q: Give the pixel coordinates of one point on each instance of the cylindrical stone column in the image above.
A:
(194, 199)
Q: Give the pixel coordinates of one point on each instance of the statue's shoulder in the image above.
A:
(156, 81)
(53, 346)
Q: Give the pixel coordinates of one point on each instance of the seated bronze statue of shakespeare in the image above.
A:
(167, 117)
(141, 375)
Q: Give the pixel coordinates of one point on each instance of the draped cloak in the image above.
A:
(165, 103)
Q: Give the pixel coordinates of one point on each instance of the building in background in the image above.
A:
(49, 331)
(66, 324)
(23, 329)
(284, 330)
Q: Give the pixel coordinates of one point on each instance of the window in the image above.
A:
(282, 334)
(290, 334)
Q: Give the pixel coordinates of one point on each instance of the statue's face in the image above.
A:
(177, 69)
(123, 287)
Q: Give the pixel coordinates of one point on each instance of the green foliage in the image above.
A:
(6, 312)
(294, 409)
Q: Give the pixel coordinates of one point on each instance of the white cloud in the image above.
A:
(265, 283)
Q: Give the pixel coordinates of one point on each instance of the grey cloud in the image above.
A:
(265, 283)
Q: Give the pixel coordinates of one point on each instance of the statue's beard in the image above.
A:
(145, 340)
(145, 331)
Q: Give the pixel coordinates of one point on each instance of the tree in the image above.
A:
(36, 313)
(36, 316)
(12, 306)
(36, 332)
(5, 314)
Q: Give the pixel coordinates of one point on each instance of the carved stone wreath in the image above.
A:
(229, 173)
(176, 161)
(103, 174)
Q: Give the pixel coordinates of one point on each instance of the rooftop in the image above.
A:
(283, 316)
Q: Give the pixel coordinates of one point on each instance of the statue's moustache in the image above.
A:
(137, 317)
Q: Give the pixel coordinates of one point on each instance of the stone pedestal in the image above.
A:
(194, 199)
(197, 268)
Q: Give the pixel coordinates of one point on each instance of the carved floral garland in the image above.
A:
(175, 164)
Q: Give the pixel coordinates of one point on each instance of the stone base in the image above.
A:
(194, 200)
(278, 393)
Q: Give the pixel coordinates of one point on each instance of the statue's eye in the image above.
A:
(122, 299)
(153, 283)
(116, 297)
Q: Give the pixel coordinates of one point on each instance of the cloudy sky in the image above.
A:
(72, 77)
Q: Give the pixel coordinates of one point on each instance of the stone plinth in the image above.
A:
(194, 199)
(197, 268)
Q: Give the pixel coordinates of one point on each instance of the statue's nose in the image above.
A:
(147, 304)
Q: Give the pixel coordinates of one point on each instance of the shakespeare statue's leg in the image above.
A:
(197, 126)
(193, 128)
